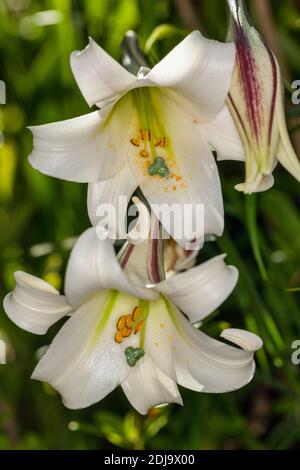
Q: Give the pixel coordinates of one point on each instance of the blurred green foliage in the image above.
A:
(40, 216)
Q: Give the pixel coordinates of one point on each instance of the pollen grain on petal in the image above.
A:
(144, 154)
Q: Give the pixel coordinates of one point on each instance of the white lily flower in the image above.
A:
(119, 334)
(152, 130)
(256, 104)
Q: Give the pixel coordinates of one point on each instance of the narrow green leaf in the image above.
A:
(294, 289)
(163, 31)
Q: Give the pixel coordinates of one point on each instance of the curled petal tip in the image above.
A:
(34, 305)
(245, 339)
(265, 182)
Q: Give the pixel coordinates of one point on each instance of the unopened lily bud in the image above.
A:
(256, 104)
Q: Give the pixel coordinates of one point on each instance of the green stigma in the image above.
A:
(133, 355)
(159, 167)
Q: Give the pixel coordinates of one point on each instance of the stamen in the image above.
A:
(118, 337)
(121, 322)
(138, 327)
(126, 332)
(136, 313)
(162, 142)
(135, 142)
(129, 321)
(145, 134)
(126, 323)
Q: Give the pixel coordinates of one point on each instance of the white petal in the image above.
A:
(259, 184)
(134, 263)
(84, 363)
(193, 176)
(98, 75)
(201, 70)
(147, 386)
(222, 135)
(244, 339)
(202, 289)
(266, 182)
(199, 362)
(2, 352)
(34, 305)
(115, 193)
(159, 336)
(93, 266)
(286, 154)
(83, 149)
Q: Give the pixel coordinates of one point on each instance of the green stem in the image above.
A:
(251, 220)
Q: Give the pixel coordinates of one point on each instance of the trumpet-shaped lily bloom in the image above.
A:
(141, 341)
(153, 130)
(257, 106)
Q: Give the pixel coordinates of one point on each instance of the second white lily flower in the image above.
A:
(121, 334)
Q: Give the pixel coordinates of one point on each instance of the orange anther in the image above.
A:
(126, 332)
(161, 142)
(118, 337)
(138, 327)
(145, 134)
(135, 142)
(129, 321)
(136, 313)
(121, 322)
